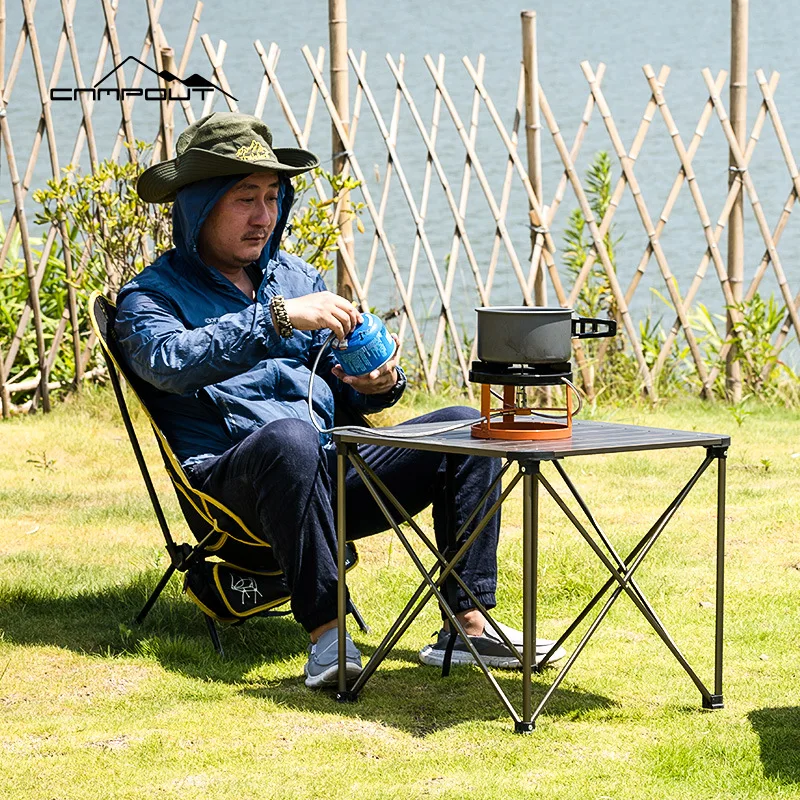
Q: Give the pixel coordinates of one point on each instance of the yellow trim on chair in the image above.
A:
(183, 483)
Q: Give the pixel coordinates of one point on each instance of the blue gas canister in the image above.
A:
(367, 347)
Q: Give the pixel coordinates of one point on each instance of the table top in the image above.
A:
(588, 438)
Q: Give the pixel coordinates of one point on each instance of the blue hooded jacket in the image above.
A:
(215, 367)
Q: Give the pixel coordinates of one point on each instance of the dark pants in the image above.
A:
(282, 483)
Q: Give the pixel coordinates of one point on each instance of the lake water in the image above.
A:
(624, 34)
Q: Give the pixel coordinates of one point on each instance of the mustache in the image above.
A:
(261, 233)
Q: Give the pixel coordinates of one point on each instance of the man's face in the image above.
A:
(236, 230)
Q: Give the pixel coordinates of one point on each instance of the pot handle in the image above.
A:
(588, 328)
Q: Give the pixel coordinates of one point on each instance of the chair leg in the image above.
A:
(214, 634)
(154, 596)
(359, 619)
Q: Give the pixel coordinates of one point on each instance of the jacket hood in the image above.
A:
(194, 203)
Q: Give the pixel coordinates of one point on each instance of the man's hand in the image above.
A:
(323, 310)
(379, 381)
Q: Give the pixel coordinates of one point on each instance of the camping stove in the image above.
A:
(515, 419)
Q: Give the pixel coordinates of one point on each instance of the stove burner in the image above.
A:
(515, 420)
(520, 374)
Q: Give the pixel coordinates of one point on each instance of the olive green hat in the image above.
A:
(222, 143)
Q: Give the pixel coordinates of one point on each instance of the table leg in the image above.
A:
(716, 701)
(450, 590)
(341, 537)
(530, 555)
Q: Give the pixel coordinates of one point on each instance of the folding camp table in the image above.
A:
(523, 461)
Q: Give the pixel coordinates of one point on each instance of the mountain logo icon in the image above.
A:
(194, 81)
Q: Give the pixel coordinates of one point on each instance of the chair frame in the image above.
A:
(181, 555)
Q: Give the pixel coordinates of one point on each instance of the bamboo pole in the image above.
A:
(216, 60)
(82, 133)
(418, 221)
(5, 398)
(302, 139)
(674, 192)
(697, 197)
(460, 234)
(633, 184)
(16, 59)
(619, 190)
(434, 132)
(26, 312)
(344, 198)
(767, 91)
(127, 106)
(72, 307)
(663, 219)
(167, 112)
(738, 115)
(499, 221)
(340, 96)
(533, 135)
(272, 59)
(505, 193)
(44, 99)
(312, 99)
(86, 129)
(119, 76)
(599, 245)
(2, 54)
(165, 119)
(758, 211)
(188, 112)
(364, 188)
(33, 293)
(387, 184)
(5, 394)
(455, 243)
(712, 238)
(511, 148)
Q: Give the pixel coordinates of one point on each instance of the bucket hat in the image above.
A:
(222, 143)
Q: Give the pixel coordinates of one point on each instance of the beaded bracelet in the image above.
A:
(278, 307)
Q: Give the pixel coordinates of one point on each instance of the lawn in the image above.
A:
(93, 706)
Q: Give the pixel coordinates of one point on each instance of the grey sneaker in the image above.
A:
(322, 668)
(490, 647)
(543, 646)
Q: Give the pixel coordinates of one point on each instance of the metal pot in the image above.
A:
(525, 335)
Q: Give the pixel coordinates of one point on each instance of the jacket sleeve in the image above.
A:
(162, 351)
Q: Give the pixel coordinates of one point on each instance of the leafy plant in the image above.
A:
(312, 233)
(763, 373)
(595, 297)
(615, 375)
(41, 461)
(13, 299)
(110, 226)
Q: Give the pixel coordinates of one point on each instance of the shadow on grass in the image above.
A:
(414, 698)
(402, 693)
(100, 622)
(778, 731)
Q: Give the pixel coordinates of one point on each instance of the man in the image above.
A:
(225, 328)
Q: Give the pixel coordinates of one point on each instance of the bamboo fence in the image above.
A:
(530, 260)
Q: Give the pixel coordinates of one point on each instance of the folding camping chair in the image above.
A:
(228, 565)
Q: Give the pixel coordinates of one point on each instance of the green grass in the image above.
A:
(93, 706)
